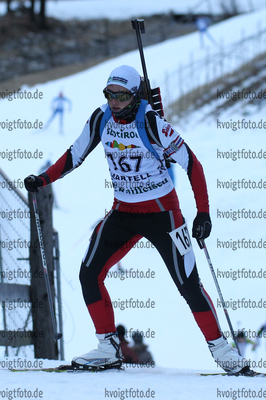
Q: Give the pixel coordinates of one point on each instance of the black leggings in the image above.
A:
(114, 237)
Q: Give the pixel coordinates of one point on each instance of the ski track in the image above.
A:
(160, 383)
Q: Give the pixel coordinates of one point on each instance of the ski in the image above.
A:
(253, 374)
(74, 368)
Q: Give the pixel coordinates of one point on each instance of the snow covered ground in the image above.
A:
(157, 384)
(178, 347)
(119, 9)
(160, 383)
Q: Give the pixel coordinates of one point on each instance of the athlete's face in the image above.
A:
(114, 104)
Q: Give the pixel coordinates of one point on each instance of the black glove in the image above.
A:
(32, 183)
(201, 226)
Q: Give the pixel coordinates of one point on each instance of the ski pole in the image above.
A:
(57, 336)
(202, 245)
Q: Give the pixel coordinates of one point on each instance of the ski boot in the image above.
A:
(228, 358)
(108, 354)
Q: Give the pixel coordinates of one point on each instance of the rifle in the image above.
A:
(152, 95)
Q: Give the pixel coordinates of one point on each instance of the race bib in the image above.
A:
(181, 239)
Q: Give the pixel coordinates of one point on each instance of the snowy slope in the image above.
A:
(83, 199)
(120, 10)
(158, 384)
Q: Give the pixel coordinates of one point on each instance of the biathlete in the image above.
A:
(145, 205)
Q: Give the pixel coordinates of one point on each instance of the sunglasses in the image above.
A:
(119, 96)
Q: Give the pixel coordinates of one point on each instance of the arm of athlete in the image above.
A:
(179, 151)
(72, 158)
